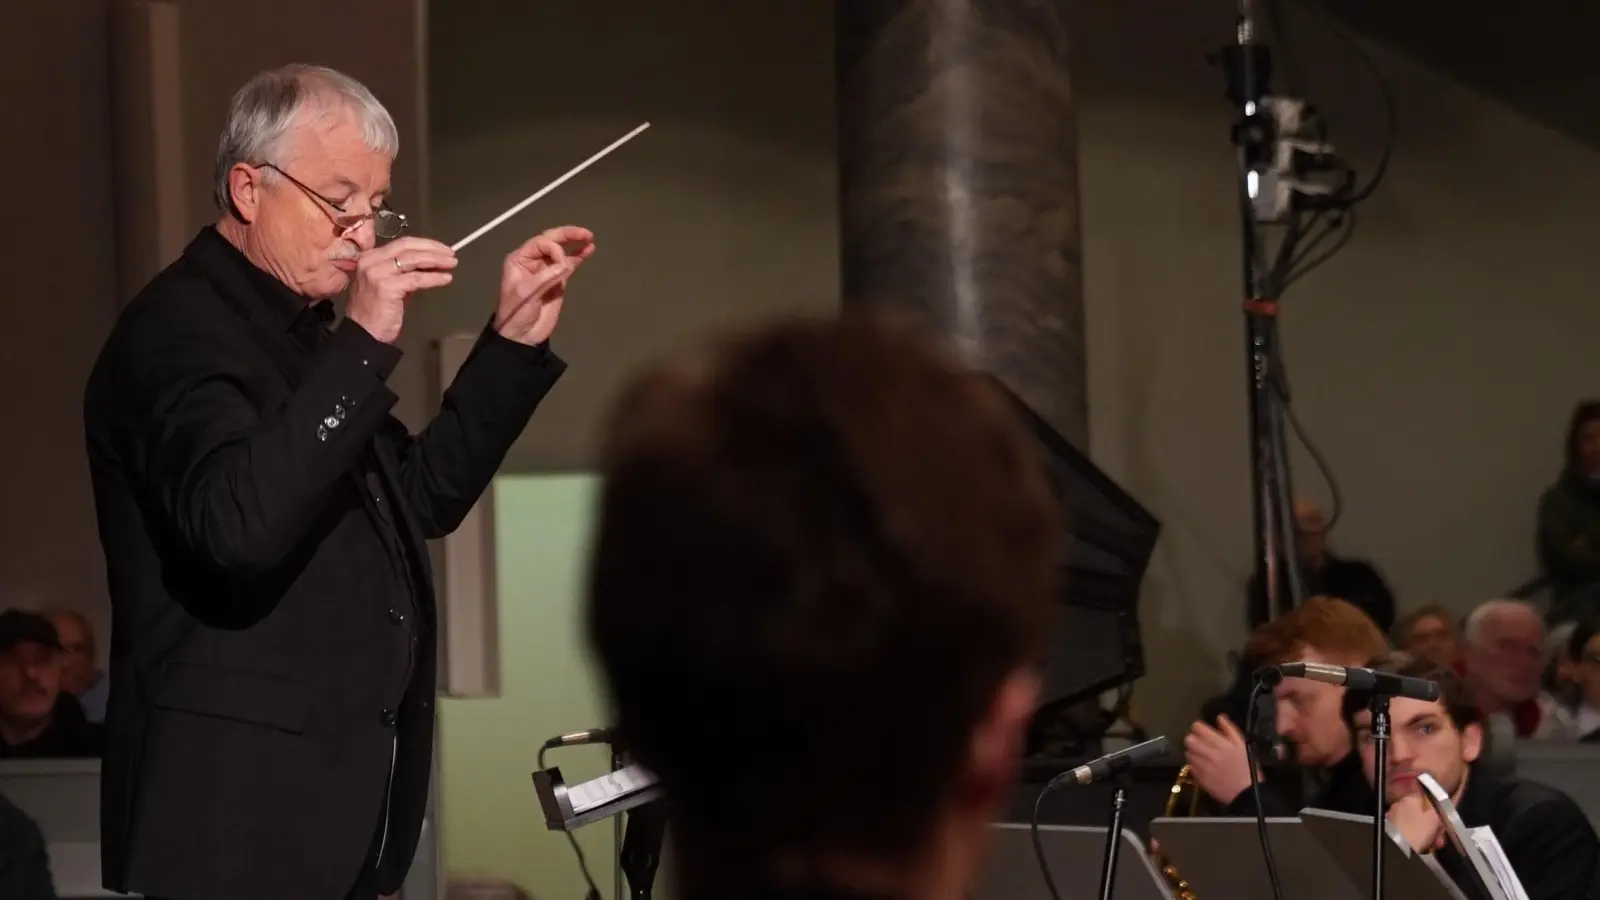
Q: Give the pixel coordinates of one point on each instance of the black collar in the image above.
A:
(262, 298)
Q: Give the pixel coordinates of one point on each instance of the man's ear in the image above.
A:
(244, 191)
(997, 743)
(1471, 742)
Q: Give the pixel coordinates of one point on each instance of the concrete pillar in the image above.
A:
(958, 163)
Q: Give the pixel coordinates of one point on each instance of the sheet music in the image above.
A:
(597, 792)
(1489, 845)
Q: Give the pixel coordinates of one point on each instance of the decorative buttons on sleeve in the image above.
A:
(329, 423)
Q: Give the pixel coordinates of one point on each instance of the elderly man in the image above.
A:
(1503, 659)
(263, 515)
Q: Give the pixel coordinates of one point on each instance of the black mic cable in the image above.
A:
(1110, 764)
(583, 863)
(1253, 763)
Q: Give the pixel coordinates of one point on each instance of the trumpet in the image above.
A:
(1184, 782)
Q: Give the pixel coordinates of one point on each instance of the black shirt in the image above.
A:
(1352, 580)
(1547, 838)
(1341, 787)
(70, 736)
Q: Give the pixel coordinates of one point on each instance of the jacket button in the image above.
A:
(396, 617)
(387, 718)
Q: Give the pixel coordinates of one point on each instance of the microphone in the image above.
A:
(1111, 763)
(581, 738)
(1354, 678)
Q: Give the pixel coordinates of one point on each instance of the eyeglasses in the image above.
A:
(387, 223)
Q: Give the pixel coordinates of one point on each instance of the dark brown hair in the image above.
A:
(1453, 694)
(822, 547)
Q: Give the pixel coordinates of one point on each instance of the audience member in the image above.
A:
(37, 718)
(1503, 664)
(1568, 532)
(1323, 574)
(80, 672)
(832, 547)
(1583, 649)
(1325, 630)
(1547, 839)
(1429, 632)
(24, 861)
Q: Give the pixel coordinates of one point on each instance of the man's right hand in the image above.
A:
(1217, 759)
(385, 276)
(1414, 817)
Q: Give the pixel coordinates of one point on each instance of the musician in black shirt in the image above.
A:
(1547, 839)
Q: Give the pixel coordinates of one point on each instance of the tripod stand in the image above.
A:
(1247, 68)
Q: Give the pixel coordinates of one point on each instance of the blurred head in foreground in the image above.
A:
(825, 558)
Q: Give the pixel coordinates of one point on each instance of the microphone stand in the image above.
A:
(1119, 799)
(641, 849)
(1247, 68)
(618, 761)
(1378, 704)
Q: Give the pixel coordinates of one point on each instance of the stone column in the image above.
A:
(958, 161)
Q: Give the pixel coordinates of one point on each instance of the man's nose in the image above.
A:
(364, 234)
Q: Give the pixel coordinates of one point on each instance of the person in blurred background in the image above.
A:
(1355, 581)
(24, 860)
(38, 720)
(80, 672)
(1568, 532)
(1503, 662)
(1429, 632)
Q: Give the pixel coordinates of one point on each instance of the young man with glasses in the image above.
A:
(270, 725)
(1547, 839)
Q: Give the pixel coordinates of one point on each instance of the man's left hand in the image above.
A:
(533, 282)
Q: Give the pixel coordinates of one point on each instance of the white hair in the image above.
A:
(275, 102)
(1472, 631)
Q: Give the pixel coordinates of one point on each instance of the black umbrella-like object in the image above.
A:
(1095, 644)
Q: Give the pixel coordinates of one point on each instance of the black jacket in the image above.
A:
(1341, 787)
(70, 736)
(24, 861)
(1547, 838)
(1352, 580)
(273, 641)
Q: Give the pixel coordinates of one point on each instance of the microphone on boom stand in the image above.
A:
(1379, 687)
(1112, 765)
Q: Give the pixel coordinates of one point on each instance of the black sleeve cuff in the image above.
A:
(352, 338)
(535, 354)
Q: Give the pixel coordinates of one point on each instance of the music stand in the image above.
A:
(1011, 870)
(1222, 858)
(1347, 839)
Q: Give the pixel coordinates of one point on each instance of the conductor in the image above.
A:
(263, 516)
